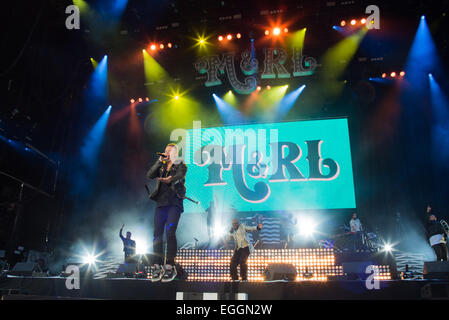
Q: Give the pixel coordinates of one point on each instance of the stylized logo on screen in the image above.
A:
(280, 167)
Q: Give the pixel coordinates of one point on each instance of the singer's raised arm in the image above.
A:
(154, 170)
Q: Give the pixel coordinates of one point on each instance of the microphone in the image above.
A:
(164, 157)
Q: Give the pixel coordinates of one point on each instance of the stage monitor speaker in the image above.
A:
(279, 271)
(127, 268)
(436, 270)
(356, 270)
(25, 269)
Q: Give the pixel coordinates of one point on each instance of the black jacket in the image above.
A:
(178, 174)
(433, 228)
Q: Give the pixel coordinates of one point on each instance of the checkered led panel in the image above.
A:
(310, 264)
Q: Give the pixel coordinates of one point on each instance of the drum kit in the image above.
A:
(343, 241)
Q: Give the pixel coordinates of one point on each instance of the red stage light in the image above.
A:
(153, 47)
(363, 21)
(402, 73)
(161, 46)
(393, 74)
(169, 45)
(238, 35)
(276, 31)
(384, 75)
(342, 23)
(285, 30)
(229, 37)
(132, 100)
(353, 22)
(220, 38)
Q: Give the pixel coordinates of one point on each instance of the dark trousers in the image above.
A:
(357, 241)
(165, 218)
(441, 251)
(130, 258)
(240, 257)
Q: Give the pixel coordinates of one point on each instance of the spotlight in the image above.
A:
(285, 30)
(267, 32)
(430, 75)
(161, 46)
(393, 74)
(219, 231)
(259, 88)
(89, 259)
(169, 45)
(363, 21)
(140, 99)
(220, 38)
(423, 17)
(306, 227)
(388, 247)
(402, 73)
(238, 35)
(229, 37)
(176, 97)
(153, 47)
(147, 99)
(342, 23)
(268, 87)
(353, 22)
(384, 75)
(132, 100)
(141, 246)
(276, 31)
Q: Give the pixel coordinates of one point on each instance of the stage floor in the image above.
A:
(124, 288)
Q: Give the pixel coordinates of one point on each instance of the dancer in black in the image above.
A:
(436, 235)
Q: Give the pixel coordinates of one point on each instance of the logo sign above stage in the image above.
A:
(267, 167)
(274, 63)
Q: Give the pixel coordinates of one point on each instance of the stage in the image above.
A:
(138, 289)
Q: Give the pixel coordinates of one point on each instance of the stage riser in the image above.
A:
(145, 289)
(213, 265)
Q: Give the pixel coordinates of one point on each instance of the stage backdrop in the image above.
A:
(271, 166)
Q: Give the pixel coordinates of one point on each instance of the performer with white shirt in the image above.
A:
(241, 251)
(356, 228)
(436, 236)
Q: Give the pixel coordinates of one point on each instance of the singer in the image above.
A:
(169, 193)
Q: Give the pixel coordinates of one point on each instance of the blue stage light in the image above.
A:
(93, 140)
(440, 123)
(97, 92)
(287, 102)
(228, 114)
(422, 59)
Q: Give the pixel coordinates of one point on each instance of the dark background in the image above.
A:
(45, 70)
